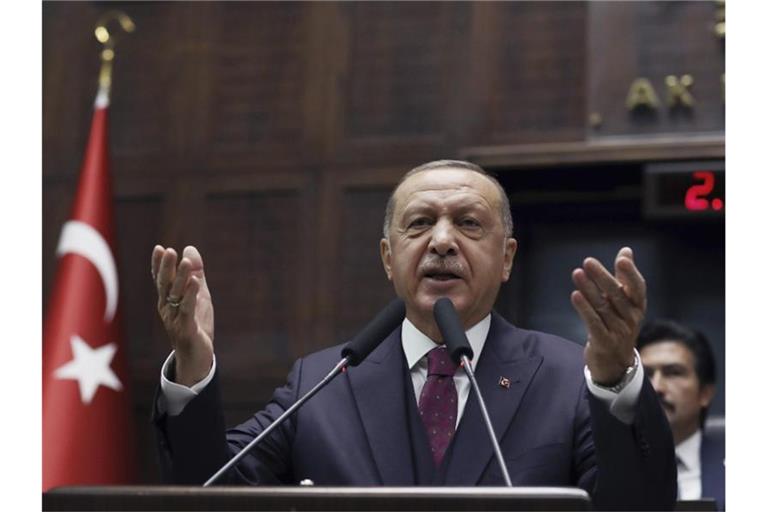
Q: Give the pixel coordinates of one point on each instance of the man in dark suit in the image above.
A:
(680, 364)
(404, 416)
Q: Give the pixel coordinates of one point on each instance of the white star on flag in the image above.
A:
(90, 368)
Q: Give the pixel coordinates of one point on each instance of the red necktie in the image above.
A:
(438, 403)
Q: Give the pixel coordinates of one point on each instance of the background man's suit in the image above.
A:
(713, 466)
(363, 429)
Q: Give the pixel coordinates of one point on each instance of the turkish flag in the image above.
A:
(87, 421)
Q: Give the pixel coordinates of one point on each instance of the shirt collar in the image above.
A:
(416, 344)
(689, 451)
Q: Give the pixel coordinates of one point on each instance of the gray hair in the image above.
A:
(505, 212)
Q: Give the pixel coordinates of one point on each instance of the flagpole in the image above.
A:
(109, 40)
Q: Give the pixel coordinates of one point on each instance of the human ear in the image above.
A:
(706, 395)
(510, 249)
(386, 257)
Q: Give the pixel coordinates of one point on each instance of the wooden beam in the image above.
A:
(607, 150)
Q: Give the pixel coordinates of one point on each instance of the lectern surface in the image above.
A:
(702, 505)
(373, 499)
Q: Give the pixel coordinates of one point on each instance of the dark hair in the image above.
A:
(657, 331)
(505, 212)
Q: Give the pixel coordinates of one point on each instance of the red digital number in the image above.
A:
(695, 196)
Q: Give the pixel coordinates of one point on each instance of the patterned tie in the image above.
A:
(438, 403)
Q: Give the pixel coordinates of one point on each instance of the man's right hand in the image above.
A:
(185, 307)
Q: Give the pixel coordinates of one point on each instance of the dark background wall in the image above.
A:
(270, 134)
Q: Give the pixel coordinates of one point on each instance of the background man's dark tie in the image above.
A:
(438, 403)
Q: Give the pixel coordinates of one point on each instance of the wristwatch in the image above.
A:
(625, 379)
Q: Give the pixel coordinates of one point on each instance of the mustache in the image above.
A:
(436, 264)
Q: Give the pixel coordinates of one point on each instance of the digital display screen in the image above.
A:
(684, 189)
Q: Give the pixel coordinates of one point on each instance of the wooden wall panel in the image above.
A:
(154, 119)
(399, 83)
(652, 40)
(69, 84)
(254, 245)
(528, 72)
(256, 76)
(137, 220)
(362, 287)
(404, 74)
(352, 285)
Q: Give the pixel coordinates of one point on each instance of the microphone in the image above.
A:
(452, 330)
(374, 333)
(352, 354)
(458, 347)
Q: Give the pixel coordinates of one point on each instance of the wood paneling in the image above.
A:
(137, 220)
(70, 68)
(397, 55)
(254, 253)
(154, 120)
(528, 72)
(362, 286)
(258, 257)
(402, 65)
(349, 230)
(652, 40)
(599, 150)
(256, 75)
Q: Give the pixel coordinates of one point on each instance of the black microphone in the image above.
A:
(352, 354)
(458, 347)
(372, 334)
(452, 330)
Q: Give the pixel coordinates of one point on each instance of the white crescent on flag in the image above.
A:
(82, 239)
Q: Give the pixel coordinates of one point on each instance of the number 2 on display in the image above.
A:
(696, 195)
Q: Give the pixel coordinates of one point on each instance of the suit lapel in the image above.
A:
(503, 356)
(379, 390)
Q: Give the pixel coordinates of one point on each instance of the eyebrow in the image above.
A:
(422, 205)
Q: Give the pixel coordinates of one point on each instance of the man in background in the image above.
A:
(679, 363)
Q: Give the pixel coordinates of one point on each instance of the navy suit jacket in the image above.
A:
(713, 466)
(360, 430)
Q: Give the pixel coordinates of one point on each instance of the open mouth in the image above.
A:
(441, 276)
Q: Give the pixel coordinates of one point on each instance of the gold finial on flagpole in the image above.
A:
(108, 40)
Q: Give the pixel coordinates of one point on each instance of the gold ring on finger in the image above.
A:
(174, 302)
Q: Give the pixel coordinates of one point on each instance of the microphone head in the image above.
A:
(374, 333)
(452, 329)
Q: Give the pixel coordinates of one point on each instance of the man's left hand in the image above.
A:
(612, 308)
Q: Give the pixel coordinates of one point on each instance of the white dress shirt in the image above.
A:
(688, 455)
(416, 345)
(174, 396)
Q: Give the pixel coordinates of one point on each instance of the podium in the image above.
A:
(371, 499)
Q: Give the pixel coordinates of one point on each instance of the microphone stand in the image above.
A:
(486, 418)
(340, 367)
(458, 347)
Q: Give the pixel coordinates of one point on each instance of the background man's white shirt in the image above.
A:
(689, 468)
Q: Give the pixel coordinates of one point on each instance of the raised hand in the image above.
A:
(185, 307)
(612, 308)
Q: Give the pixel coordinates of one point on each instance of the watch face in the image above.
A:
(628, 374)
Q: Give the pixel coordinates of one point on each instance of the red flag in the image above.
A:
(87, 421)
